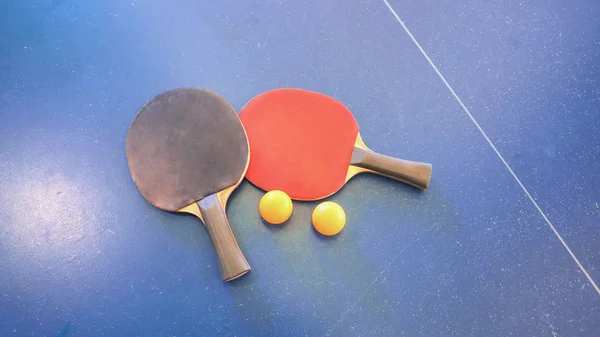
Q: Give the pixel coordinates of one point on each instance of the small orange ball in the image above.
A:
(329, 218)
(275, 207)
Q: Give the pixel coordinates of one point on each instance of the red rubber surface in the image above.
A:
(301, 142)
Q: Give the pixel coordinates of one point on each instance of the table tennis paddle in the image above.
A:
(187, 151)
(308, 145)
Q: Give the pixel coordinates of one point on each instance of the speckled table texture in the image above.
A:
(475, 88)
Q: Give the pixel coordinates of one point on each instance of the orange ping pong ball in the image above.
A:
(275, 207)
(329, 218)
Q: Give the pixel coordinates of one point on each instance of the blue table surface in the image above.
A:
(83, 254)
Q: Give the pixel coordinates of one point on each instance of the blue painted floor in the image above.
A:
(82, 254)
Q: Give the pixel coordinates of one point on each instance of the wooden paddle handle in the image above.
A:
(413, 173)
(232, 262)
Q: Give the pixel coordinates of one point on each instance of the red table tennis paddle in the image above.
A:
(187, 151)
(308, 145)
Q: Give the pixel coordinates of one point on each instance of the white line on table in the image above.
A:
(493, 147)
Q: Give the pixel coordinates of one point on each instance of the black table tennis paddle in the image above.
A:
(187, 151)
